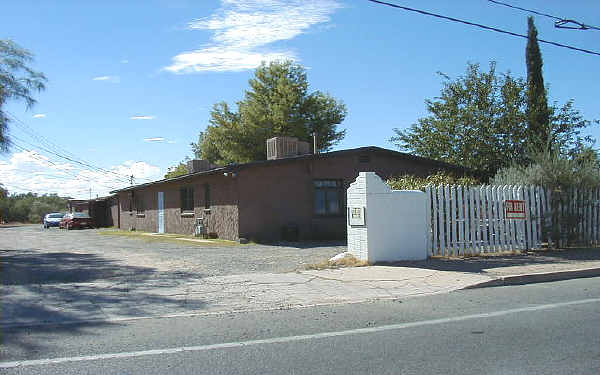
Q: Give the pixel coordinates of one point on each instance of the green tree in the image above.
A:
(479, 121)
(178, 170)
(17, 82)
(277, 104)
(538, 114)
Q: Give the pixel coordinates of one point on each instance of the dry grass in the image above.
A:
(348, 261)
(168, 237)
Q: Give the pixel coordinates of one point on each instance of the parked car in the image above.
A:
(53, 219)
(76, 220)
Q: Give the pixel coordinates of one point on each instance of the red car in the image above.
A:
(76, 220)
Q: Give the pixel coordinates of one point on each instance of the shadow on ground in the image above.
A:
(478, 264)
(59, 287)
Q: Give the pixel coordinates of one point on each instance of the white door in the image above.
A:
(161, 212)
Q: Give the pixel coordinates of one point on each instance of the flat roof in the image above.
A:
(235, 167)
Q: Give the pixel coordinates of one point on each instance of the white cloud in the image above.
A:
(154, 139)
(113, 79)
(242, 30)
(39, 115)
(124, 61)
(142, 118)
(30, 171)
(171, 142)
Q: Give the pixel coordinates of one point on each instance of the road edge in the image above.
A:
(533, 278)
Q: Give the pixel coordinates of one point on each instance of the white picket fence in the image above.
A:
(470, 220)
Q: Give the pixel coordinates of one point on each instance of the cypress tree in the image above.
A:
(537, 104)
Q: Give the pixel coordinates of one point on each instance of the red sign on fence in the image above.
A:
(514, 209)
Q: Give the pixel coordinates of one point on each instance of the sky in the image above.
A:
(131, 83)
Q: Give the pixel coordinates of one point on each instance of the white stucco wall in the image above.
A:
(395, 221)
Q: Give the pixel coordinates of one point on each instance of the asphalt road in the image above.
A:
(548, 328)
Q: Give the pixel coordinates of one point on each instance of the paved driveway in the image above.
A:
(44, 271)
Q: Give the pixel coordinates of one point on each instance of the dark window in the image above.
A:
(139, 203)
(187, 198)
(207, 196)
(328, 197)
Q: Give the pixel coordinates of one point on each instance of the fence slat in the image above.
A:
(472, 221)
(447, 201)
(538, 216)
(434, 219)
(509, 223)
(515, 223)
(442, 222)
(485, 214)
(527, 221)
(501, 222)
(460, 221)
(428, 219)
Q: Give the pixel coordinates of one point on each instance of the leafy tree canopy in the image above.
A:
(30, 207)
(480, 121)
(17, 82)
(277, 103)
(177, 170)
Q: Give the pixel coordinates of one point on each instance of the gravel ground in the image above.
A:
(31, 254)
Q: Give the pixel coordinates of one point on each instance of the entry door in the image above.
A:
(161, 212)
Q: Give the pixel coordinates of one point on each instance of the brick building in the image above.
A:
(290, 195)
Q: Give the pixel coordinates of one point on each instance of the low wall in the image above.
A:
(385, 225)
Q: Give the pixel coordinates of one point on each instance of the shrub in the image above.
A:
(410, 182)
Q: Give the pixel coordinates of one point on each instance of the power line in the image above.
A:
(63, 153)
(560, 23)
(88, 166)
(79, 177)
(525, 10)
(482, 26)
(58, 151)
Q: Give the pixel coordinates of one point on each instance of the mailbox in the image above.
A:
(356, 216)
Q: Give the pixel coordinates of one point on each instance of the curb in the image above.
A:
(533, 278)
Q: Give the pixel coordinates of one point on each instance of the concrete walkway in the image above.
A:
(106, 300)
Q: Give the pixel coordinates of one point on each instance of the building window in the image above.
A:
(328, 197)
(207, 196)
(187, 198)
(139, 203)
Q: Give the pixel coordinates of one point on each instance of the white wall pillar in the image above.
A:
(385, 225)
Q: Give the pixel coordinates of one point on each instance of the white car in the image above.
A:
(53, 219)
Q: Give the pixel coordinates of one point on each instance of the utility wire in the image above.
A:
(63, 153)
(79, 177)
(483, 26)
(560, 23)
(88, 166)
(524, 9)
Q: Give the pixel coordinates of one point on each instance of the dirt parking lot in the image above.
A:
(52, 275)
(34, 254)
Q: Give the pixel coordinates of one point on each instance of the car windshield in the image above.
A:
(55, 216)
(81, 215)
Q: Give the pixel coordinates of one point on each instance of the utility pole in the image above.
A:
(314, 134)
(131, 179)
(90, 193)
